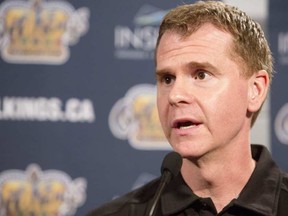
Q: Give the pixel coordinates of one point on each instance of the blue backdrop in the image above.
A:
(78, 121)
(278, 34)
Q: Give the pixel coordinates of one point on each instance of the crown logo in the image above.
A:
(146, 116)
(35, 192)
(135, 118)
(40, 31)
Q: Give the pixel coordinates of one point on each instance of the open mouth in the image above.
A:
(185, 124)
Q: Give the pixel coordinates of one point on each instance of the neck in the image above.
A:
(220, 178)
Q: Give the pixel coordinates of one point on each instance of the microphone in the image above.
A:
(170, 168)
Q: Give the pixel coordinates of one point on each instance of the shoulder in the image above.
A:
(284, 185)
(283, 199)
(122, 205)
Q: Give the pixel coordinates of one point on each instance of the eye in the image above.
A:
(202, 75)
(167, 79)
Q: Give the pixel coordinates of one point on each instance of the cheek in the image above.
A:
(163, 113)
(161, 108)
(229, 107)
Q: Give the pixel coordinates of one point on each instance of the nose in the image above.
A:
(179, 93)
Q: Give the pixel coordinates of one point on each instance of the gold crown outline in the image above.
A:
(35, 192)
(40, 31)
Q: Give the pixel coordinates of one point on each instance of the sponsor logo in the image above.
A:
(46, 109)
(283, 48)
(39, 31)
(135, 117)
(281, 124)
(137, 42)
(37, 192)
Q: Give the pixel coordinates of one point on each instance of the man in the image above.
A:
(213, 69)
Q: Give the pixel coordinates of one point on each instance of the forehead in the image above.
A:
(208, 45)
(207, 36)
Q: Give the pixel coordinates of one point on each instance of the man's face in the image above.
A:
(202, 99)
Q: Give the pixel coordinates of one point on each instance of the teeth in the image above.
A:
(186, 127)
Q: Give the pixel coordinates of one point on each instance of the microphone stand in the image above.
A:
(171, 166)
(166, 177)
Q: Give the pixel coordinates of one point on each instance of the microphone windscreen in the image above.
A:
(172, 162)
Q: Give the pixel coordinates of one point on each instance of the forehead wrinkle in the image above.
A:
(169, 55)
(219, 36)
(172, 46)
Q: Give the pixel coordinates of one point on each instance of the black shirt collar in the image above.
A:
(260, 193)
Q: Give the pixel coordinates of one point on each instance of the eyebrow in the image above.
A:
(202, 65)
(189, 65)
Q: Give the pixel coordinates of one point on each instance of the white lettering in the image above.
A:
(77, 110)
(139, 38)
(283, 43)
(46, 109)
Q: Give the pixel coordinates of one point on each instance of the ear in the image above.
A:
(257, 91)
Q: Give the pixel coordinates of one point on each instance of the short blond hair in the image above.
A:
(250, 46)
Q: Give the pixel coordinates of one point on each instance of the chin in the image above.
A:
(188, 152)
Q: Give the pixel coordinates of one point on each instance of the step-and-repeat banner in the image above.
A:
(278, 36)
(78, 120)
